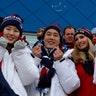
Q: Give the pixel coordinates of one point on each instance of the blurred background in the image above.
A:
(41, 13)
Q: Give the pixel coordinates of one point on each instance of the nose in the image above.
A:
(51, 36)
(11, 32)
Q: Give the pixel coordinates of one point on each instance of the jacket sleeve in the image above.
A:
(25, 66)
(94, 75)
(67, 75)
(37, 60)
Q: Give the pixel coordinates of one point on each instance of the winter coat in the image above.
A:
(18, 68)
(63, 82)
(87, 87)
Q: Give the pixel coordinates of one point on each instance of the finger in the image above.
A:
(39, 44)
(57, 47)
(58, 51)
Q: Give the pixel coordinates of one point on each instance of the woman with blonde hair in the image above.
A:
(83, 57)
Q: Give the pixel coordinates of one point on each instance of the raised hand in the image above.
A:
(58, 54)
(19, 44)
(36, 50)
(3, 42)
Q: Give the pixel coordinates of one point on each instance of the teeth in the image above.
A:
(51, 42)
(81, 45)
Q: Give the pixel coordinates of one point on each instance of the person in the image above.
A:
(40, 33)
(39, 36)
(17, 66)
(1, 19)
(68, 35)
(56, 74)
(83, 57)
(94, 35)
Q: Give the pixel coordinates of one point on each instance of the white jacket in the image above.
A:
(64, 82)
(94, 75)
(18, 69)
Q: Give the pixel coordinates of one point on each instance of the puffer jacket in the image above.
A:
(18, 69)
(63, 82)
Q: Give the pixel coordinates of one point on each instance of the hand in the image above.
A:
(58, 54)
(37, 50)
(3, 42)
(19, 44)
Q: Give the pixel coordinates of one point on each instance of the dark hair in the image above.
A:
(68, 27)
(1, 20)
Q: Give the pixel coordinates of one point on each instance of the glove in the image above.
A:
(19, 44)
(3, 42)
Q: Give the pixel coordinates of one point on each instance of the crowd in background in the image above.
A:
(61, 63)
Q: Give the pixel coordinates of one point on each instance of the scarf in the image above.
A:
(47, 70)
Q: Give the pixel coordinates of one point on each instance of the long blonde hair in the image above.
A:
(80, 56)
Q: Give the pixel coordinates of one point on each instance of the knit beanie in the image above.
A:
(84, 31)
(57, 28)
(15, 20)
